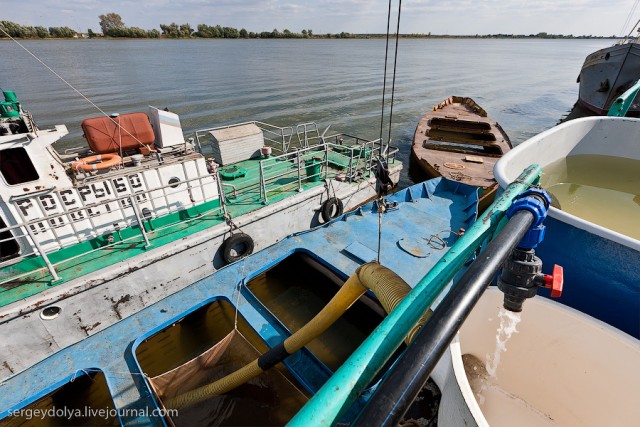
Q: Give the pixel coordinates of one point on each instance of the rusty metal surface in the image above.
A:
(453, 132)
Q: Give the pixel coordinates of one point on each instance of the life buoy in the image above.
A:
(331, 208)
(237, 247)
(96, 163)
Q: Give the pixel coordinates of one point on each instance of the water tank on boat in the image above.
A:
(561, 368)
(123, 132)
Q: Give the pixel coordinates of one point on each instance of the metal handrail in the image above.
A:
(46, 223)
(304, 129)
(101, 203)
(362, 162)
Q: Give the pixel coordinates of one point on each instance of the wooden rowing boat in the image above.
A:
(456, 140)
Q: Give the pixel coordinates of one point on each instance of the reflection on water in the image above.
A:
(216, 82)
(604, 190)
(86, 399)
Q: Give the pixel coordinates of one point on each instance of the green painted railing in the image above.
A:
(343, 388)
(621, 105)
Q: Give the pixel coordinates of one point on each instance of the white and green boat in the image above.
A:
(142, 212)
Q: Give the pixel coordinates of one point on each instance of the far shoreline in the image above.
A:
(352, 37)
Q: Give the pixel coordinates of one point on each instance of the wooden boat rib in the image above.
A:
(458, 141)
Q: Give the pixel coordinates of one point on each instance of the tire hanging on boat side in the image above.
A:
(331, 209)
(237, 247)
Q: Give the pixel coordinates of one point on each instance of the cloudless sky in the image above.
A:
(577, 17)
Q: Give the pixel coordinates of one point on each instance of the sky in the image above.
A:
(454, 17)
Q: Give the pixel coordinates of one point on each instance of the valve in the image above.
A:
(555, 281)
(522, 272)
(522, 275)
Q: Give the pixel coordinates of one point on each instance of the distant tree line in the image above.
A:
(27, 32)
(113, 26)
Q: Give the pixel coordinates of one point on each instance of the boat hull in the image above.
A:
(456, 140)
(340, 247)
(92, 302)
(603, 278)
(606, 74)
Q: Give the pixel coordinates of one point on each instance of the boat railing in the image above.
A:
(307, 133)
(132, 212)
(279, 138)
(342, 156)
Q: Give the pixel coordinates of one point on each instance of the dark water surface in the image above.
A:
(526, 85)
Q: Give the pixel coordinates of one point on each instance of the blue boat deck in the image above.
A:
(408, 247)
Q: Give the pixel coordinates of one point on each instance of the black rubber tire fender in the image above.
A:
(331, 209)
(240, 243)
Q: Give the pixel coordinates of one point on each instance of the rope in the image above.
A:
(232, 225)
(71, 86)
(238, 291)
(520, 181)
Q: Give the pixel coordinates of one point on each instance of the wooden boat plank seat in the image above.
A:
(457, 140)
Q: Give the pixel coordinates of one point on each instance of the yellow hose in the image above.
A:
(386, 285)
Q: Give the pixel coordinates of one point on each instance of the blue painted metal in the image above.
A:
(337, 395)
(423, 210)
(53, 387)
(601, 276)
(361, 252)
(532, 201)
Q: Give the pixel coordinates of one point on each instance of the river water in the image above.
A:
(526, 85)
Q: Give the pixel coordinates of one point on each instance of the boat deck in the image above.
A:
(423, 210)
(283, 178)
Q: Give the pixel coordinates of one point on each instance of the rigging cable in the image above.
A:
(395, 62)
(384, 80)
(384, 147)
(631, 13)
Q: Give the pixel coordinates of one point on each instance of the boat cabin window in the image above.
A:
(16, 166)
(9, 247)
